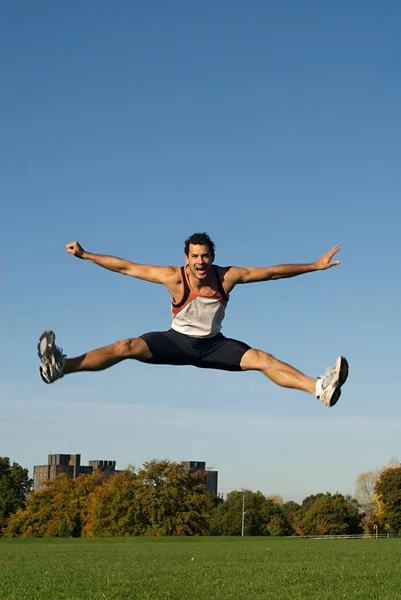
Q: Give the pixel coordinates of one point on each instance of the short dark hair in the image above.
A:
(202, 239)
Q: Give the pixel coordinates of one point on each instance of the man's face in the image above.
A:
(199, 260)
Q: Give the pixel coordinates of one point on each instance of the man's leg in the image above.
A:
(54, 365)
(279, 372)
(326, 388)
(108, 356)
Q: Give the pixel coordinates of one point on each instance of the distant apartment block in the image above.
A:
(211, 479)
(70, 465)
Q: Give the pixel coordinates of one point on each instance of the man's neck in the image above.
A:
(200, 284)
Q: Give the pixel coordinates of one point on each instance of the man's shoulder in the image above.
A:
(174, 271)
(225, 276)
(229, 276)
(169, 274)
(227, 270)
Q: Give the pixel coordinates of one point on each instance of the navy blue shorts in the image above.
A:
(173, 348)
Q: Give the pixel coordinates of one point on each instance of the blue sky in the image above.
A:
(276, 128)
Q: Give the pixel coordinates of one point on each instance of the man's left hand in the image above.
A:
(325, 261)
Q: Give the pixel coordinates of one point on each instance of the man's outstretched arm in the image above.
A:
(236, 275)
(152, 273)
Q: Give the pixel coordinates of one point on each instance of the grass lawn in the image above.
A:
(199, 569)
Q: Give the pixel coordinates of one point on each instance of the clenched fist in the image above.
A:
(76, 249)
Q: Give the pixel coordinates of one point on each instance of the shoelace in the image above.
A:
(328, 377)
(59, 356)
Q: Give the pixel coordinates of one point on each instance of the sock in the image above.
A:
(319, 387)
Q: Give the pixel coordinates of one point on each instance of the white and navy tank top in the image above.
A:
(196, 315)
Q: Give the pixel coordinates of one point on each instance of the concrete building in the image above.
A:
(212, 481)
(106, 466)
(211, 476)
(70, 465)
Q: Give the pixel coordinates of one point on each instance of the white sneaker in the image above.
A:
(51, 357)
(332, 381)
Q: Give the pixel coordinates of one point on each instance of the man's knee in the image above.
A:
(256, 360)
(135, 348)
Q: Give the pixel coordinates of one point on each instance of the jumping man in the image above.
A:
(200, 292)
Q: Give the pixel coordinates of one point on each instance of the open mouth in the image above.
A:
(201, 270)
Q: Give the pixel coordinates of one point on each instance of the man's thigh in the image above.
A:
(173, 348)
(167, 348)
(256, 360)
(224, 354)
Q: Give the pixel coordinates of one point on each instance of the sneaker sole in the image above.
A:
(46, 344)
(342, 378)
(45, 351)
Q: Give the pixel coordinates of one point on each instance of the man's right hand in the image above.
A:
(76, 249)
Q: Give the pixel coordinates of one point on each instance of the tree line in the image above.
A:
(162, 498)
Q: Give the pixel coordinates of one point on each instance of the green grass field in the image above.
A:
(199, 569)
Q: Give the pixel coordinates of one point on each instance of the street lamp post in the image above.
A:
(375, 528)
(243, 513)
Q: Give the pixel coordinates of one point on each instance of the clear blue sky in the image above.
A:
(276, 128)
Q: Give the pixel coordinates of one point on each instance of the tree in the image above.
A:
(296, 512)
(263, 516)
(365, 490)
(277, 499)
(292, 511)
(308, 502)
(60, 509)
(393, 463)
(228, 516)
(279, 525)
(115, 509)
(388, 497)
(162, 498)
(290, 507)
(15, 485)
(174, 501)
(332, 515)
